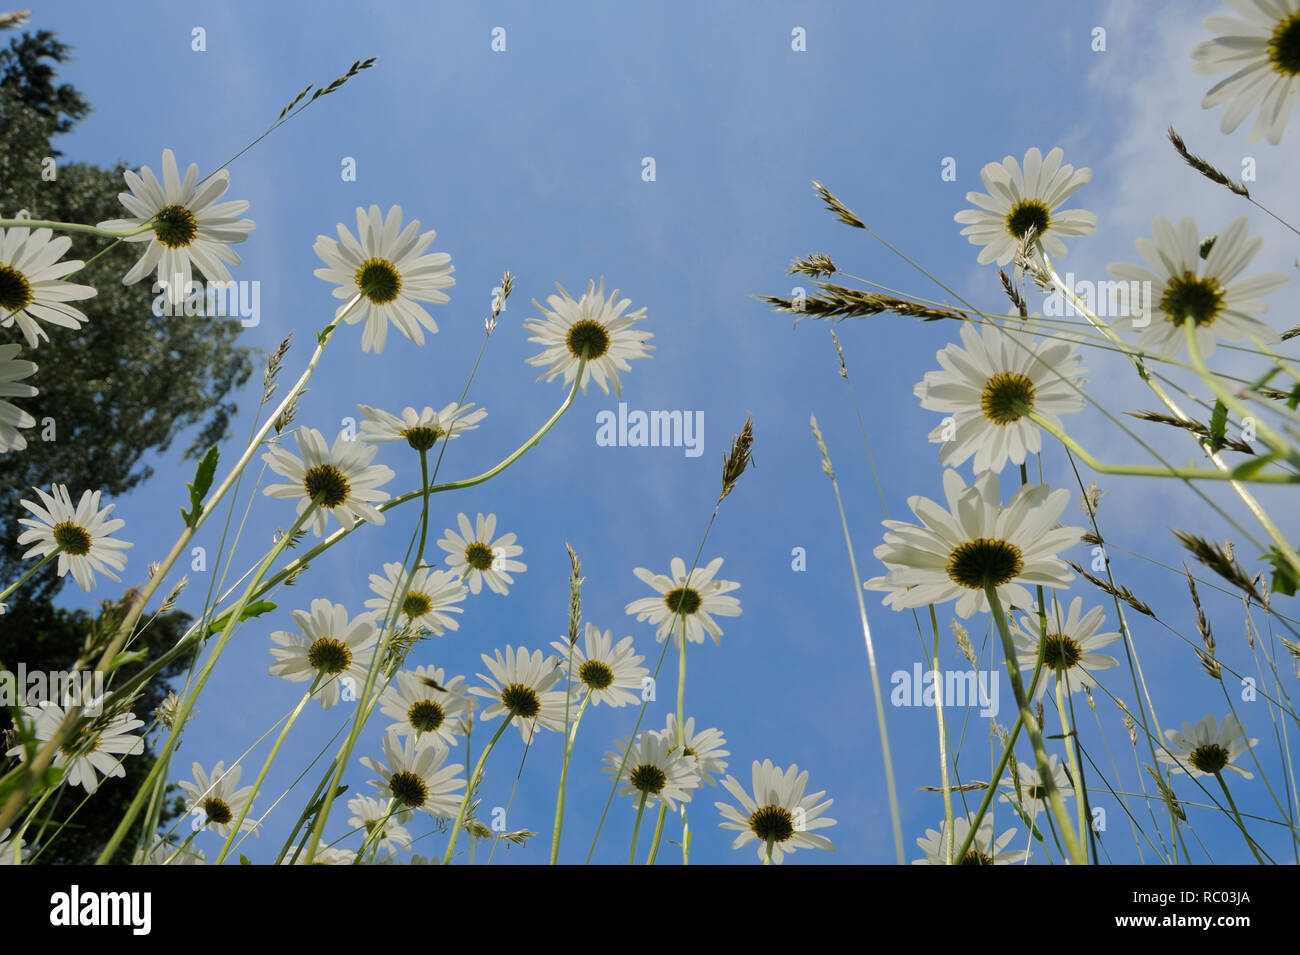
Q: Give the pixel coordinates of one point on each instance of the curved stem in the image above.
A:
(469, 787)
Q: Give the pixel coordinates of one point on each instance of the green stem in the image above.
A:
(894, 814)
(1072, 754)
(564, 779)
(1237, 815)
(72, 227)
(943, 739)
(30, 574)
(471, 783)
(187, 705)
(1077, 854)
(636, 828)
(1154, 470)
(266, 766)
(659, 832)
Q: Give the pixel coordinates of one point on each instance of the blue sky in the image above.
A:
(531, 159)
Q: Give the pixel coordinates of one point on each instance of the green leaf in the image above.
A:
(255, 609)
(1218, 425)
(243, 859)
(1294, 398)
(129, 656)
(1285, 579)
(1248, 469)
(199, 489)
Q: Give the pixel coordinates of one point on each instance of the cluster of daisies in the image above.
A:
(530, 689)
(1001, 387)
(385, 274)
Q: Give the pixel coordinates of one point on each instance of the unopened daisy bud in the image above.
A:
(740, 457)
(15, 19)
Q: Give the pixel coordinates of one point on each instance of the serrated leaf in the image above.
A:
(255, 609)
(1218, 425)
(1285, 579)
(199, 489)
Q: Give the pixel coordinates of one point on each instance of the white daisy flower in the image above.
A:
(328, 855)
(1032, 798)
(779, 811)
(474, 554)
(695, 598)
(189, 226)
(95, 748)
(368, 813)
(611, 672)
(12, 851)
(388, 266)
(989, 387)
(214, 800)
(415, 775)
(342, 473)
(424, 702)
(1215, 307)
(705, 747)
(1020, 200)
(337, 649)
(31, 283)
(983, 850)
(955, 551)
(428, 601)
(1261, 54)
(522, 687)
(165, 853)
(80, 535)
(13, 370)
(594, 326)
(1207, 748)
(1072, 642)
(655, 767)
(423, 430)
